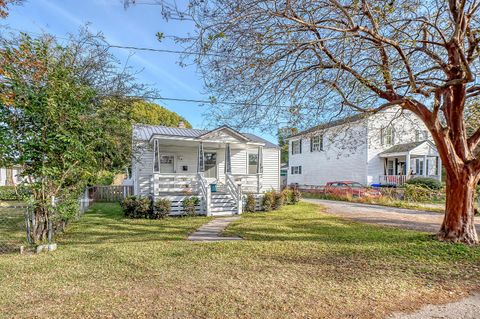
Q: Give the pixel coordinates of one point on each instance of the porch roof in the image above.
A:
(147, 132)
(413, 147)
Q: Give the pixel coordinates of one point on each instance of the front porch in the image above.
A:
(407, 161)
(217, 172)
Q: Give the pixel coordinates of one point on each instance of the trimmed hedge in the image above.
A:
(9, 193)
(426, 182)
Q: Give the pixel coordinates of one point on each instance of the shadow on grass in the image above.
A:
(105, 223)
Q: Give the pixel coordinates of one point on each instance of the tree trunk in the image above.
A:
(458, 223)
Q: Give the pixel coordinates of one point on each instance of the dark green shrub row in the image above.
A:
(143, 207)
(18, 193)
(425, 182)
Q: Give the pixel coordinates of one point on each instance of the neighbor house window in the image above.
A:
(387, 135)
(390, 168)
(296, 147)
(419, 166)
(421, 135)
(296, 170)
(316, 143)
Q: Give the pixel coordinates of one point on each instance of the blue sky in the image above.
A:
(135, 26)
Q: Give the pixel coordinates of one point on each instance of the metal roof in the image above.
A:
(145, 132)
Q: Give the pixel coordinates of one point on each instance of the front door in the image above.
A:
(210, 165)
(167, 163)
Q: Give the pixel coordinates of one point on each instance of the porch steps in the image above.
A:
(222, 204)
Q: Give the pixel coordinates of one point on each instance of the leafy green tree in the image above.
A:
(144, 112)
(60, 108)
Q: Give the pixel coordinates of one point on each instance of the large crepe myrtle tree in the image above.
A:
(339, 56)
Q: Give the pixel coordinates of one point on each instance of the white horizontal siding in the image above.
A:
(343, 158)
(271, 169)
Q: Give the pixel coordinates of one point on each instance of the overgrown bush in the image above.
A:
(136, 207)
(268, 201)
(278, 200)
(250, 203)
(296, 196)
(416, 193)
(287, 195)
(18, 193)
(189, 204)
(425, 182)
(162, 208)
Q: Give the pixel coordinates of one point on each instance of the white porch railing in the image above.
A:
(394, 179)
(205, 193)
(401, 179)
(235, 190)
(251, 183)
(168, 183)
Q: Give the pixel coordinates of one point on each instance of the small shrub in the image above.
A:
(277, 200)
(162, 208)
(136, 207)
(425, 182)
(287, 196)
(18, 193)
(189, 204)
(268, 201)
(296, 196)
(250, 203)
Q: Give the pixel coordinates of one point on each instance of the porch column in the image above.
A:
(260, 160)
(228, 159)
(407, 165)
(425, 173)
(259, 168)
(201, 159)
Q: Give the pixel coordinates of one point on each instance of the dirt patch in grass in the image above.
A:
(294, 263)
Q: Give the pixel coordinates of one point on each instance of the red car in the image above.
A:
(349, 188)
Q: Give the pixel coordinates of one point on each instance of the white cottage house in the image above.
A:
(177, 162)
(389, 147)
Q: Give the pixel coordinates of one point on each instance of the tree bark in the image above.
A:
(458, 224)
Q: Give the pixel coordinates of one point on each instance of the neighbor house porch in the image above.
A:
(406, 161)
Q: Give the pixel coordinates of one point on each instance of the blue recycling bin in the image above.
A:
(213, 188)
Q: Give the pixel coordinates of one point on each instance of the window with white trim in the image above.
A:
(296, 147)
(421, 135)
(390, 167)
(387, 135)
(296, 170)
(316, 143)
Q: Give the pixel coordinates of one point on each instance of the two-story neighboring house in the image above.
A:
(389, 147)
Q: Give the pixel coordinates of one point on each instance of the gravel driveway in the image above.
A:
(390, 216)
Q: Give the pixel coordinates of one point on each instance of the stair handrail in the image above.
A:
(235, 191)
(205, 193)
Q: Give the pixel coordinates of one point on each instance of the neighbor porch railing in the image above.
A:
(251, 183)
(401, 179)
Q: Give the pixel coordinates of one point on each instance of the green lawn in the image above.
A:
(12, 227)
(297, 262)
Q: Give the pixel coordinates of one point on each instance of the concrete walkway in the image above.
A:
(389, 216)
(468, 308)
(210, 231)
